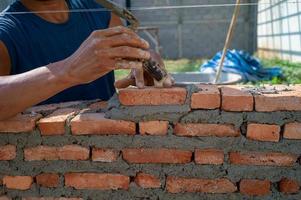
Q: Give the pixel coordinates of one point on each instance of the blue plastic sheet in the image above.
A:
(242, 63)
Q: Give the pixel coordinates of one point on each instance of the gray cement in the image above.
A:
(172, 114)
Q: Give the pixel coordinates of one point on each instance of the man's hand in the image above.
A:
(104, 51)
(140, 78)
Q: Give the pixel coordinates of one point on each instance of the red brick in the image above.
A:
(96, 123)
(153, 128)
(292, 131)
(8, 152)
(262, 158)
(54, 124)
(234, 98)
(48, 180)
(18, 182)
(50, 198)
(263, 132)
(282, 101)
(97, 181)
(289, 186)
(207, 98)
(218, 130)
(98, 105)
(209, 156)
(252, 187)
(68, 152)
(4, 198)
(164, 156)
(104, 155)
(152, 96)
(19, 123)
(181, 185)
(147, 181)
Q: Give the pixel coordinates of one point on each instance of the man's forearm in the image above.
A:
(21, 91)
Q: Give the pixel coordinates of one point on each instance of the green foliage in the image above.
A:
(291, 71)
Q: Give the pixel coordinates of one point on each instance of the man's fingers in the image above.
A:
(125, 52)
(124, 40)
(124, 83)
(139, 77)
(125, 64)
(113, 31)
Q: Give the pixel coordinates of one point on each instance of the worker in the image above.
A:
(51, 57)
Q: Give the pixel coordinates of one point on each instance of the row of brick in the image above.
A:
(96, 123)
(107, 181)
(147, 155)
(41, 198)
(228, 98)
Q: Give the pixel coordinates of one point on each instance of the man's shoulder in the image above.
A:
(8, 17)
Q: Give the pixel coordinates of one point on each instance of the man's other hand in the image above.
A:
(140, 78)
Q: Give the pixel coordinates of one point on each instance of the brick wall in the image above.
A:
(188, 142)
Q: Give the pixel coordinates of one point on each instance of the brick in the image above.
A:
(181, 185)
(98, 105)
(253, 187)
(282, 101)
(104, 155)
(207, 98)
(262, 158)
(234, 98)
(4, 198)
(97, 124)
(292, 131)
(163, 156)
(152, 96)
(54, 124)
(50, 198)
(147, 181)
(218, 130)
(20, 123)
(153, 128)
(48, 180)
(8, 152)
(209, 156)
(68, 152)
(97, 181)
(263, 132)
(18, 182)
(289, 186)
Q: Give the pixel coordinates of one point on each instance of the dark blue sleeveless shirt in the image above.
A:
(33, 42)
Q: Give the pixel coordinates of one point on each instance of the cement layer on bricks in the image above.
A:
(288, 99)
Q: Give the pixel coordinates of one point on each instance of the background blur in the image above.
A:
(188, 36)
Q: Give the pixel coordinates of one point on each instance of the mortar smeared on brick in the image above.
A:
(198, 149)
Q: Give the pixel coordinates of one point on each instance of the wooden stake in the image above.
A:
(228, 40)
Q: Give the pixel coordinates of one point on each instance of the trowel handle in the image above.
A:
(121, 12)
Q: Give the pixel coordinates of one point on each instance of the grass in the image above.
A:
(291, 71)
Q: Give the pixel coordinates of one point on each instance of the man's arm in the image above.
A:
(98, 55)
